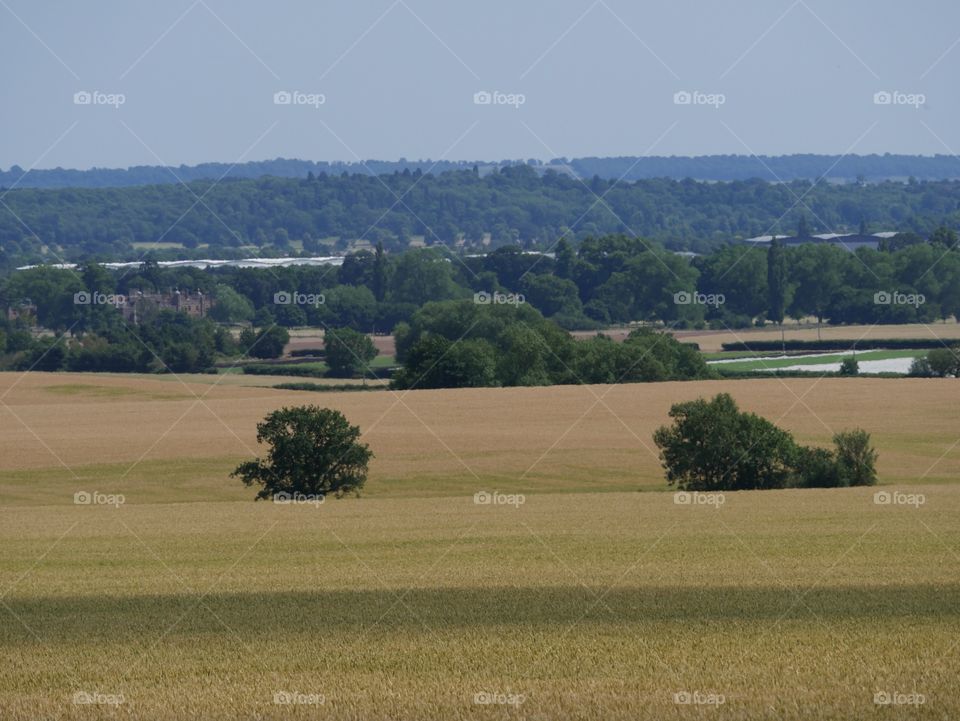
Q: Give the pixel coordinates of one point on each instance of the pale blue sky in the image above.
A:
(398, 79)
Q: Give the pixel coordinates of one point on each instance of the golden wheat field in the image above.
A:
(948, 332)
(580, 592)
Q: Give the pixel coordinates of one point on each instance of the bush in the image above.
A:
(849, 367)
(713, 446)
(307, 353)
(313, 451)
(327, 387)
(435, 362)
(920, 368)
(816, 468)
(305, 370)
(856, 459)
(267, 343)
(944, 362)
(528, 350)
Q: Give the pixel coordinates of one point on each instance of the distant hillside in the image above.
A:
(329, 213)
(848, 168)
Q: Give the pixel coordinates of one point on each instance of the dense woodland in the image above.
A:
(323, 213)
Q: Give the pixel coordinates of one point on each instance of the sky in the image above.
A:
(128, 82)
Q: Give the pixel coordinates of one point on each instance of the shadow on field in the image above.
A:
(91, 617)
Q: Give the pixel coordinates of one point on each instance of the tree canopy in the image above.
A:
(312, 451)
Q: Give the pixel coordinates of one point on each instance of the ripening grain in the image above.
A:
(190, 600)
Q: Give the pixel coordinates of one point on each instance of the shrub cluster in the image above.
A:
(714, 446)
(461, 344)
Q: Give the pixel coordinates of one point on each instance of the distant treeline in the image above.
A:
(321, 213)
(703, 167)
(510, 308)
(601, 281)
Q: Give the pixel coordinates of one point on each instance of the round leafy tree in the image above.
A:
(313, 451)
(714, 446)
(347, 351)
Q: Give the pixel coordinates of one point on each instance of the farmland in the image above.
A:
(713, 340)
(587, 594)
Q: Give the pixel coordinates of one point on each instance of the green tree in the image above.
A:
(817, 468)
(263, 317)
(849, 366)
(347, 351)
(379, 280)
(816, 275)
(944, 362)
(436, 362)
(420, 276)
(313, 451)
(348, 305)
(856, 458)
(944, 237)
(551, 295)
(713, 446)
(267, 343)
(739, 274)
(230, 306)
(920, 368)
(565, 259)
(777, 289)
